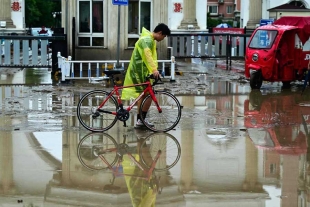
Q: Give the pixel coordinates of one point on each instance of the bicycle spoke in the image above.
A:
(170, 115)
(92, 119)
(167, 144)
(94, 144)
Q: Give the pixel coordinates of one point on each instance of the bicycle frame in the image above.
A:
(147, 173)
(116, 89)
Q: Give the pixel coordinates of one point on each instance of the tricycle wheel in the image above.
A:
(255, 98)
(286, 84)
(256, 80)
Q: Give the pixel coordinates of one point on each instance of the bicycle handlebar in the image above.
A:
(157, 80)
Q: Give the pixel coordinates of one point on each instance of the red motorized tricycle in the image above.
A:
(278, 52)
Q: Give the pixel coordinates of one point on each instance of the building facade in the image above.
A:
(97, 24)
(95, 34)
(227, 10)
(12, 16)
(252, 11)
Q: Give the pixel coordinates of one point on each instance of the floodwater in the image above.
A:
(233, 147)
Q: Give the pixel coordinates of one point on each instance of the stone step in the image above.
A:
(9, 23)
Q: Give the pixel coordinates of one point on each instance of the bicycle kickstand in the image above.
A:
(125, 124)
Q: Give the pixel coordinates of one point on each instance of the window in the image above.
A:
(90, 23)
(139, 16)
(211, 121)
(212, 9)
(229, 9)
(227, 105)
(211, 104)
(145, 15)
(263, 39)
(133, 17)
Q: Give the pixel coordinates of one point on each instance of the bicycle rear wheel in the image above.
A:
(93, 145)
(92, 119)
(170, 115)
(170, 151)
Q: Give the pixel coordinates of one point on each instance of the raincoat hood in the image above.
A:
(146, 32)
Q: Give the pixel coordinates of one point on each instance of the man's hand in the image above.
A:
(156, 74)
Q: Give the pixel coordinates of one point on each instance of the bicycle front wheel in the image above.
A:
(167, 144)
(165, 120)
(90, 117)
(93, 145)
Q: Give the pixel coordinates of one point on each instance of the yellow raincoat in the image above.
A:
(141, 194)
(142, 63)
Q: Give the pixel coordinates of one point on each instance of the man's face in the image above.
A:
(160, 36)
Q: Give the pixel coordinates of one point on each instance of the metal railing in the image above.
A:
(34, 51)
(9, 93)
(26, 51)
(208, 45)
(94, 69)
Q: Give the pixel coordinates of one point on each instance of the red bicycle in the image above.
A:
(99, 110)
(158, 151)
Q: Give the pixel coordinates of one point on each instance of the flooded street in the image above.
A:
(232, 147)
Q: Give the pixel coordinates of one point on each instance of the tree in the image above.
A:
(39, 12)
(212, 22)
(32, 14)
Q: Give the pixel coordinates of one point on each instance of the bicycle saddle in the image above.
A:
(112, 72)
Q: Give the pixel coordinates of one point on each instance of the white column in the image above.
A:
(160, 8)
(6, 159)
(255, 14)
(251, 182)
(189, 12)
(187, 155)
(5, 13)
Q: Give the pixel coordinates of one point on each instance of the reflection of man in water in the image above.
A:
(142, 192)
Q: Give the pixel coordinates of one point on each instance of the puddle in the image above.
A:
(234, 144)
(27, 76)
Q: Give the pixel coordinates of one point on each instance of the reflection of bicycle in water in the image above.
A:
(157, 152)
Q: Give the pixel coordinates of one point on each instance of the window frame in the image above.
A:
(137, 35)
(217, 9)
(211, 104)
(227, 9)
(92, 34)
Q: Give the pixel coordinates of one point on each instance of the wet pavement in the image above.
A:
(232, 147)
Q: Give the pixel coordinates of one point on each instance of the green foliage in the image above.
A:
(231, 23)
(211, 22)
(39, 12)
(214, 22)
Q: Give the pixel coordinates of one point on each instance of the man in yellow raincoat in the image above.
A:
(142, 191)
(143, 62)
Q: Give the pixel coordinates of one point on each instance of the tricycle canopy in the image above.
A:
(302, 23)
